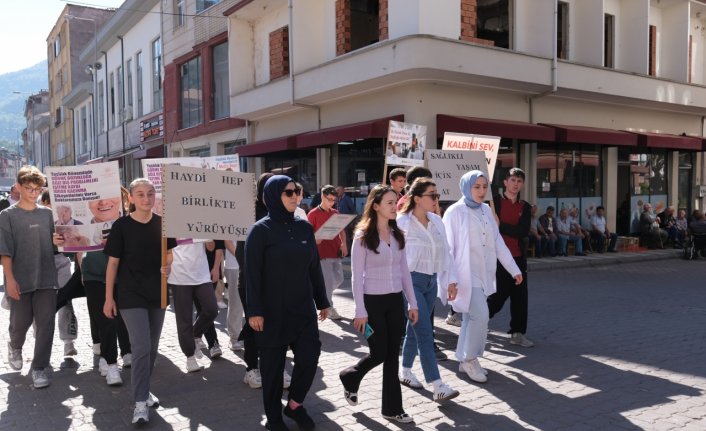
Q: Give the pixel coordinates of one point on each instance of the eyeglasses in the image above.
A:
(332, 200)
(291, 192)
(433, 196)
(32, 189)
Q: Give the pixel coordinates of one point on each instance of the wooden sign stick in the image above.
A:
(164, 276)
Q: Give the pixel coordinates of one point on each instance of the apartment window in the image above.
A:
(230, 147)
(84, 131)
(200, 152)
(138, 73)
(493, 22)
(101, 105)
(652, 62)
(156, 75)
(221, 93)
(121, 95)
(609, 41)
(111, 111)
(129, 89)
(191, 108)
(57, 45)
(180, 13)
(279, 53)
(58, 116)
(60, 153)
(202, 5)
(562, 31)
(365, 23)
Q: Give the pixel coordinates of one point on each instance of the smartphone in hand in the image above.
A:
(368, 331)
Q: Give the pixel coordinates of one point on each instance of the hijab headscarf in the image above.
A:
(467, 181)
(260, 208)
(272, 194)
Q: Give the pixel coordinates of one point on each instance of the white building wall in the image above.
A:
(633, 34)
(698, 43)
(675, 42)
(655, 19)
(534, 27)
(588, 32)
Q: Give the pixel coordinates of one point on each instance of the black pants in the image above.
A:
(386, 317)
(188, 329)
(250, 348)
(518, 295)
(111, 331)
(210, 334)
(74, 289)
(306, 348)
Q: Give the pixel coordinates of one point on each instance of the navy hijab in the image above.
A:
(272, 195)
(467, 181)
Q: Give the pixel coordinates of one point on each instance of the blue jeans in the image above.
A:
(420, 337)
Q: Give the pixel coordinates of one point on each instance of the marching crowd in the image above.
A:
(404, 255)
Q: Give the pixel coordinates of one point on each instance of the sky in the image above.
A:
(25, 25)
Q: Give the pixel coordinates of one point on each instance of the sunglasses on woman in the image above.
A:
(291, 192)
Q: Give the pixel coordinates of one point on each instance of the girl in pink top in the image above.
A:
(379, 277)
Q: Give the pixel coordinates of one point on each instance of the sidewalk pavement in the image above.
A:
(618, 347)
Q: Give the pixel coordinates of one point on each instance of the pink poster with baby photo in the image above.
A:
(85, 201)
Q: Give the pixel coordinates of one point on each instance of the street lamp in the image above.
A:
(91, 69)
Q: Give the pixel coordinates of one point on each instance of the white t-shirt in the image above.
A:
(190, 265)
(298, 212)
(599, 222)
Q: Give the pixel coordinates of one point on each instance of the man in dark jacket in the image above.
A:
(514, 217)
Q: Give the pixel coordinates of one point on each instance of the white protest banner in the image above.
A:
(152, 170)
(447, 168)
(406, 143)
(85, 201)
(461, 141)
(207, 203)
(333, 226)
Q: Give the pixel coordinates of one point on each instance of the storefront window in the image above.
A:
(360, 165)
(507, 159)
(569, 177)
(642, 178)
(686, 162)
(299, 165)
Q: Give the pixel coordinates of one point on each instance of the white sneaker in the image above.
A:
(474, 371)
(199, 345)
(444, 393)
(141, 415)
(454, 319)
(333, 314)
(483, 370)
(222, 305)
(286, 380)
(40, 379)
(97, 349)
(127, 360)
(112, 377)
(192, 365)
(102, 367)
(519, 339)
(14, 358)
(215, 351)
(253, 379)
(236, 346)
(152, 401)
(69, 348)
(408, 379)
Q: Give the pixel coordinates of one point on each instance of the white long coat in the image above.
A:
(476, 245)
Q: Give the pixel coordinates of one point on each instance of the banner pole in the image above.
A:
(164, 276)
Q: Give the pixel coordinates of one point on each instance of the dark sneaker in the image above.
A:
(300, 416)
(440, 355)
(276, 426)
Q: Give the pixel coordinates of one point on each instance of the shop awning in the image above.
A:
(153, 152)
(485, 126)
(673, 142)
(349, 132)
(264, 147)
(593, 135)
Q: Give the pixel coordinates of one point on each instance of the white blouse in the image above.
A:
(424, 246)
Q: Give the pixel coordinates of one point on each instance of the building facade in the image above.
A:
(36, 134)
(601, 102)
(75, 28)
(197, 76)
